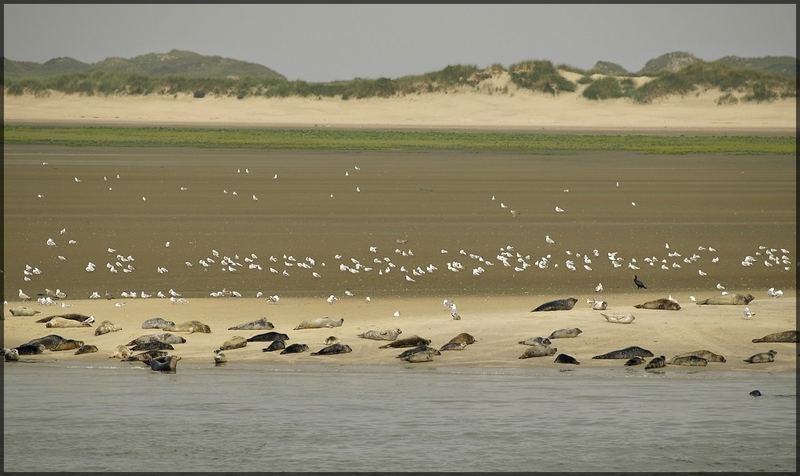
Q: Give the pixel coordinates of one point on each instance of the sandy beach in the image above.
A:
(497, 323)
(471, 110)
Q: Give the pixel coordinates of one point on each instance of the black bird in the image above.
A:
(638, 283)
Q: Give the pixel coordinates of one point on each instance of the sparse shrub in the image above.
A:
(540, 76)
(585, 79)
(727, 98)
(199, 94)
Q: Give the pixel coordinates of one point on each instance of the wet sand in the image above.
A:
(497, 323)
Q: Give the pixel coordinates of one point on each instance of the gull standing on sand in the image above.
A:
(559, 209)
(24, 296)
(548, 239)
(748, 313)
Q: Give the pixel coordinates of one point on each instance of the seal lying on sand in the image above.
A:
(30, 349)
(618, 318)
(785, 336)
(105, 327)
(625, 353)
(157, 323)
(634, 361)
(705, 354)
(690, 360)
(566, 359)
(11, 355)
(418, 357)
(424, 349)
(565, 333)
(333, 349)
(536, 341)
(656, 363)
(61, 323)
(294, 349)
(164, 337)
(167, 363)
(412, 341)
(389, 334)
(190, 327)
(319, 323)
(152, 345)
(453, 346)
(71, 317)
(277, 344)
(23, 311)
(762, 357)
(268, 336)
(662, 304)
(557, 305)
(734, 299)
(463, 338)
(55, 342)
(86, 349)
(331, 340)
(260, 324)
(68, 344)
(122, 352)
(538, 351)
(145, 357)
(219, 358)
(235, 342)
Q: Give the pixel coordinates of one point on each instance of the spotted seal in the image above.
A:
(662, 304)
(536, 341)
(167, 363)
(320, 323)
(68, 344)
(145, 357)
(419, 349)
(277, 344)
(267, 337)
(565, 333)
(71, 317)
(30, 349)
(121, 352)
(105, 327)
(566, 359)
(157, 323)
(689, 360)
(762, 357)
(412, 341)
(235, 342)
(463, 338)
(625, 353)
(190, 327)
(152, 345)
(164, 337)
(295, 349)
(656, 363)
(557, 305)
(453, 346)
(730, 299)
(388, 334)
(418, 357)
(705, 354)
(259, 324)
(86, 349)
(538, 351)
(23, 311)
(61, 323)
(50, 342)
(634, 361)
(333, 349)
(785, 336)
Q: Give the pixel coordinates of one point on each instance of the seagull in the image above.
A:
(720, 287)
(50, 242)
(183, 189)
(368, 299)
(144, 199)
(701, 273)
(633, 203)
(692, 298)
(275, 177)
(748, 313)
(559, 209)
(358, 189)
(548, 239)
(331, 299)
(62, 231)
(77, 180)
(254, 197)
(599, 288)
(410, 279)
(62, 258)
(396, 314)
(166, 244)
(39, 195)
(503, 205)
(94, 295)
(24, 296)
(111, 250)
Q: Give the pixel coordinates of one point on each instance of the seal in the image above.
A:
(121, 352)
(167, 363)
(616, 318)
(705, 354)
(412, 341)
(235, 342)
(418, 357)
(762, 357)
(295, 349)
(145, 357)
(536, 341)
(164, 337)
(331, 340)
(23, 311)
(662, 304)
(625, 353)
(260, 324)
(68, 344)
(389, 334)
(71, 317)
(268, 336)
(30, 349)
(634, 361)
(656, 363)
(277, 344)
(453, 346)
(538, 351)
(11, 355)
(689, 360)
(86, 349)
(333, 349)
(598, 305)
(557, 305)
(565, 333)
(785, 336)
(190, 327)
(419, 349)
(61, 323)
(320, 323)
(731, 299)
(219, 358)
(152, 345)
(105, 327)
(157, 323)
(566, 359)
(48, 341)
(462, 338)
(755, 393)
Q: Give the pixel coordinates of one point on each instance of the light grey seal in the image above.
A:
(538, 351)
(785, 336)
(419, 349)
(61, 323)
(23, 311)
(320, 323)
(656, 363)
(412, 341)
(105, 327)
(662, 304)
(235, 342)
(190, 327)
(145, 357)
(536, 341)
(566, 359)
(557, 305)
(167, 363)
(86, 349)
(121, 352)
(333, 349)
(71, 316)
(260, 324)
(762, 357)
(705, 354)
(157, 323)
(730, 299)
(689, 360)
(625, 353)
(565, 333)
(388, 334)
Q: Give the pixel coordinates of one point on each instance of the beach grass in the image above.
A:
(371, 139)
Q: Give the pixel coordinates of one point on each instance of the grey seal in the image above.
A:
(190, 327)
(61, 323)
(412, 341)
(23, 311)
(86, 349)
(105, 327)
(30, 349)
(536, 341)
(277, 344)
(419, 349)
(557, 305)
(388, 334)
(71, 317)
(616, 318)
(565, 333)
(55, 342)
(656, 363)
(705, 354)
(762, 357)
(11, 355)
(295, 349)
(145, 357)
(267, 337)
(662, 304)
(730, 299)
(453, 346)
(320, 323)
(538, 351)
(121, 352)
(689, 360)
(157, 323)
(219, 358)
(462, 338)
(634, 361)
(333, 349)
(164, 337)
(235, 342)
(260, 324)
(331, 340)
(785, 336)
(167, 363)
(566, 359)
(625, 353)
(418, 357)
(152, 345)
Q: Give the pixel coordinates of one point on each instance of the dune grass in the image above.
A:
(362, 139)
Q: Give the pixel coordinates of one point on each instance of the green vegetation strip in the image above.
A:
(357, 139)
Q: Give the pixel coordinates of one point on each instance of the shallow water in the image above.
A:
(124, 417)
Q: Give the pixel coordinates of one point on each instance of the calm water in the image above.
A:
(420, 418)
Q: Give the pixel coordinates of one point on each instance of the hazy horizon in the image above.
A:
(330, 42)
